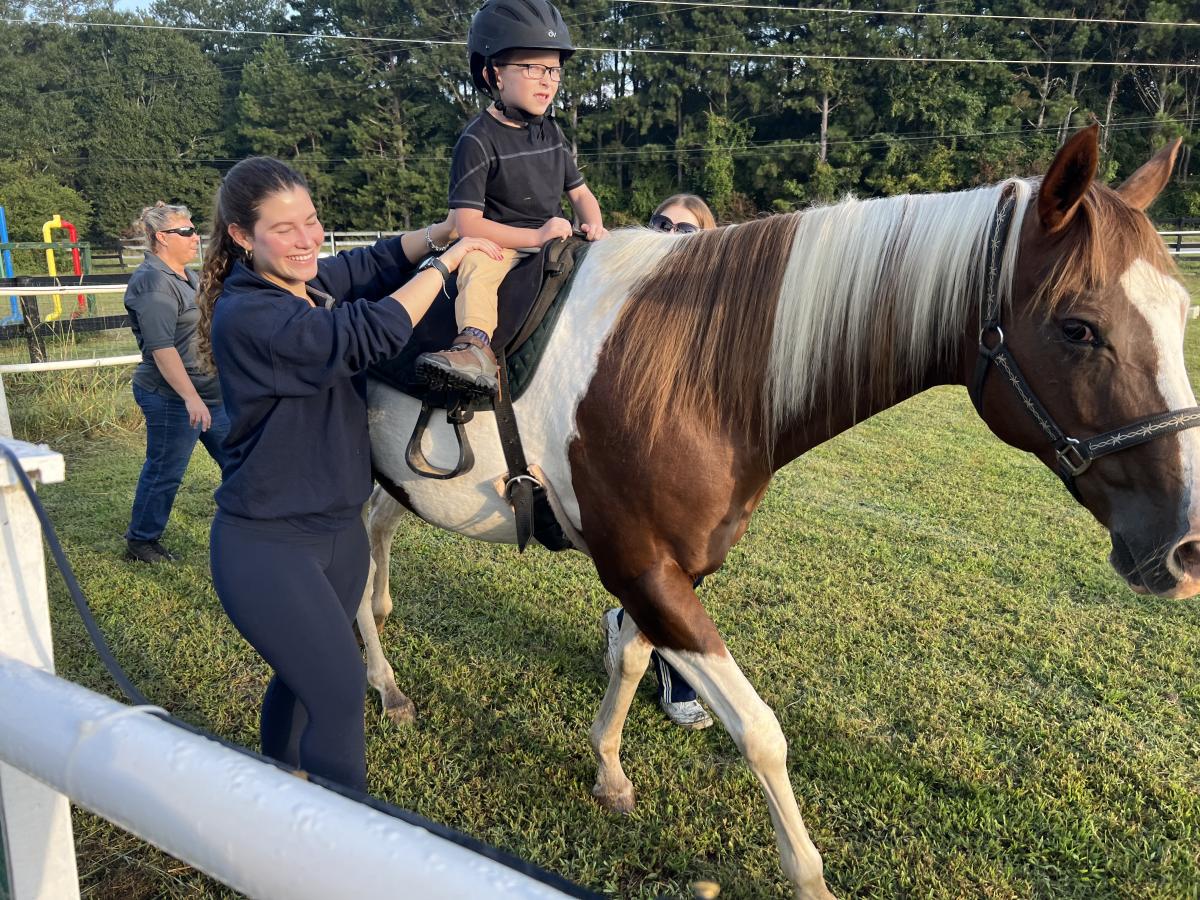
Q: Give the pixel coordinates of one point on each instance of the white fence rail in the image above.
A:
(35, 820)
(243, 821)
(133, 251)
(54, 366)
(1182, 243)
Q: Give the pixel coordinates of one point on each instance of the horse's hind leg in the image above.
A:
(396, 706)
(613, 789)
(383, 517)
(684, 634)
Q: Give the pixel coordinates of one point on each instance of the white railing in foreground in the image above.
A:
(247, 823)
(256, 828)
(35, 821)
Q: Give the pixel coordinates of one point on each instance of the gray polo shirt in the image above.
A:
(163, 313)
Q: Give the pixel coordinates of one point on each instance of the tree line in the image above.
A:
(99, 120)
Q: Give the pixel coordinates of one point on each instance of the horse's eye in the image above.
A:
(1079, 332)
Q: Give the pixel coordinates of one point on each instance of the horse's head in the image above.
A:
(1096, 325)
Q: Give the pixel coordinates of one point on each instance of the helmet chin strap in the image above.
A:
(515, 113)
(527, 118)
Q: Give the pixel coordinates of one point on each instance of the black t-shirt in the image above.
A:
(514, 176)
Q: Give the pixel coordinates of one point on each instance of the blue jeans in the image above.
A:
(169, 444)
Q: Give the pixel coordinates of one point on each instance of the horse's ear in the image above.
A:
(1143, 186)
(1069, 178)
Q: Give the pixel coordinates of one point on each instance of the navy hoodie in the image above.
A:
(293, 379)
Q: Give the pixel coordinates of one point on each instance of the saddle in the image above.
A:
(529, 306)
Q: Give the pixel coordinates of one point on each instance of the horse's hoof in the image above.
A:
(379, 620)
(620, 801)
(401, 712)
(814, 892)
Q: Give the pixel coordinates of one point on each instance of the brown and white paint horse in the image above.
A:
(686, 369)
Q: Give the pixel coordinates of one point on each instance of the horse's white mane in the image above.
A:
(923, 253)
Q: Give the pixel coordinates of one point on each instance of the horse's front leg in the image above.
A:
(396, 706)
(630, 658)
(672, 615)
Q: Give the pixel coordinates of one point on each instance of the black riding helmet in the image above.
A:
(502, 25)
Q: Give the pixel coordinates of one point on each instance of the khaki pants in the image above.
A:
(479, 278)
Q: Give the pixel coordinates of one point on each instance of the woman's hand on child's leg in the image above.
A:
(455, 254)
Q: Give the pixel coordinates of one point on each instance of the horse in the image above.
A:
(686, 369)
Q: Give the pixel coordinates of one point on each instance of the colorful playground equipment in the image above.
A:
(81, 263)
(14, 315)
(47, 228)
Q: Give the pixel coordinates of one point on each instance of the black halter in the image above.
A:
(1073, 455)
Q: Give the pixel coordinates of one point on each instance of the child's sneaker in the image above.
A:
(469, 364)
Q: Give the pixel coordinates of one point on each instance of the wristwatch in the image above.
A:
(432, 262)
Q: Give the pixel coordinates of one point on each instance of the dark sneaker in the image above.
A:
(148, 552)
(468, 365)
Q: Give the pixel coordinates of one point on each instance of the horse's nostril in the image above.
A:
(1186, 559)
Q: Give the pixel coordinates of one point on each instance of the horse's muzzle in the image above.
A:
(1173, 574)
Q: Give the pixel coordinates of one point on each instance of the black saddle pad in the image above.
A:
(518, 296)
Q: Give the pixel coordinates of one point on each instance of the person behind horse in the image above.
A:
(291, 336)
(678, 214)
(508, 173)
(181, 402)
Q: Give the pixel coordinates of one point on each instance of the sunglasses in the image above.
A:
(661, 223)
(186, 231)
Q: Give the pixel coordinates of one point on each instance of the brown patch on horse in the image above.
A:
(694, 337)
(397, 493)
(1105, 237)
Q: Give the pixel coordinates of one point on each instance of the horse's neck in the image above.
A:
(841, 413)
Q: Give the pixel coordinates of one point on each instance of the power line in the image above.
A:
(624, 154)
(905, 13)
(834, 57)
(724, 54)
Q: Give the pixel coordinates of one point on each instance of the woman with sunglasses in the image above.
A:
(680, 214)
(181, 403)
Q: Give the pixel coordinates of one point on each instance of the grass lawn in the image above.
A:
(975, 704)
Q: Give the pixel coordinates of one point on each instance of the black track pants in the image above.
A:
(293, 595)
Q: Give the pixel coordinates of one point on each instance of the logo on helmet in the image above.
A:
(551, 34)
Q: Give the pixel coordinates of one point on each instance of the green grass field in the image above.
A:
(976, 705)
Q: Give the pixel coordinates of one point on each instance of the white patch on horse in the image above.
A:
(470, 504)
(924, 252)
(1163, 303)
(753, 726)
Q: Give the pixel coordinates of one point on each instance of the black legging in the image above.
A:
(293, 594)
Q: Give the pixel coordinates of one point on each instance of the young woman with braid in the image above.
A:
(291, 336)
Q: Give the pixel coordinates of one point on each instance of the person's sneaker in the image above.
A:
(148, 552)
(689, 714)
(468, 365)
(611, 626)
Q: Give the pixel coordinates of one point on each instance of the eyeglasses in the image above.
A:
(660, 222)
(536, 71)
(186, 231)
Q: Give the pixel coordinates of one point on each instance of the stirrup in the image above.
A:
(457, 416)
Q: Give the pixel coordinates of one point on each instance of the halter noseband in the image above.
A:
(1074, 455)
